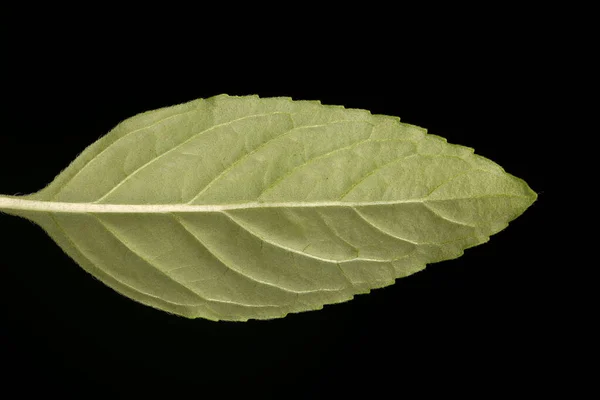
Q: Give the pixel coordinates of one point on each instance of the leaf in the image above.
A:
(231, 208)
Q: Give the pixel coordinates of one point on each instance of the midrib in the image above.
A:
(16, 203)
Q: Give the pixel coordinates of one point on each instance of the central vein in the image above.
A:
(16, 203)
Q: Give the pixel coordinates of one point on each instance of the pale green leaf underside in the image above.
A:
(233, 208)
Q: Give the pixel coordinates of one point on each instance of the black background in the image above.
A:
(460, 324)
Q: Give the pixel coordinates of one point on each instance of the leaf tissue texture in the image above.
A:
(237, 208)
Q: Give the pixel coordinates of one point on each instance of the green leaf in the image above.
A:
(231, 208)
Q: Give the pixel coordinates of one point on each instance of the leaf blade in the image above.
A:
(238, 208)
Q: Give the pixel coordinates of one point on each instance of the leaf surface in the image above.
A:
(232, 208)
